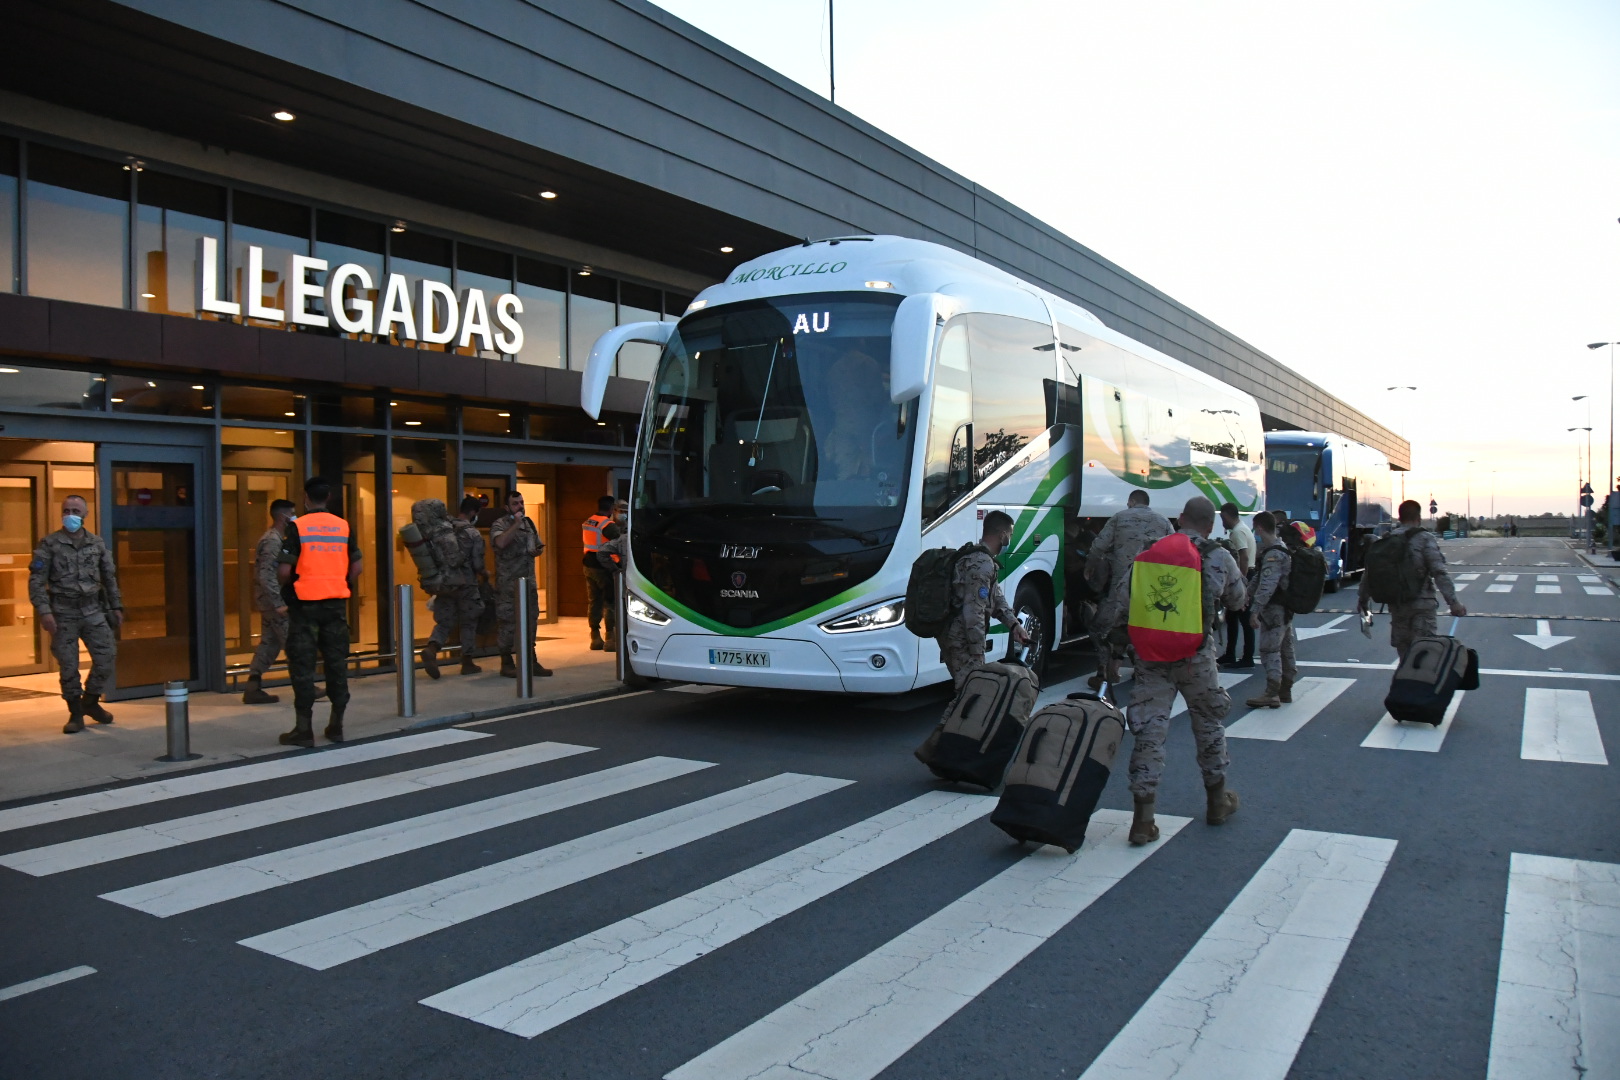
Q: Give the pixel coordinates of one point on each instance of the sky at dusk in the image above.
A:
(1413, 193)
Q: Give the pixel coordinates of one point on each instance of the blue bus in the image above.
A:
(1339, 487)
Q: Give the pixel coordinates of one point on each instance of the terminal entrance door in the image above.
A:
(150, 498)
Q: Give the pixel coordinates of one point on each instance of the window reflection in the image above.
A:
(172, 213)
(49, 388)
(261, 403)
(543, 289)
(8, 215)
(592, 310)
(421, 417)
(167, 397)
(78, 227)
(491, 273)
(281, 229)
(342, 239)
(638, 303)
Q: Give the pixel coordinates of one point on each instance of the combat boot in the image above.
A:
(430, 661)
(75, 722)
(1143, 829)
(1222, 803)
(302, 734)
(596, 641)
(508, 666)
(1285, 690)
(1267, 698)
(334, 725)
(470, 668)
(255, 695)
(90, 705)
(540, 670)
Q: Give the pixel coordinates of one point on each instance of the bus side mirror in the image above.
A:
(606, 351)
(911, 343)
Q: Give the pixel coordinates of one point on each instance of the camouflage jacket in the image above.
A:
(461, 559)
(266, 557)
(516, 559)
(1274, 563)
(73, 572)
(1424, 550)
(974, 585)
(1127, 534)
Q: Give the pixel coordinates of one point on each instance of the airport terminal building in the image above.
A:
(243, 243)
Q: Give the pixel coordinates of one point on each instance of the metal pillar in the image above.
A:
(621, 658)
(525, 641)
(177, 717)
(405, 649)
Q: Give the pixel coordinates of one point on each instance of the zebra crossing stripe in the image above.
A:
(859, 1021)
(329, 940)
(216, 884)
(1229, 679)
(1559, 725)
(174, 787)
(124, 843)
(1389, 734)
(535, 995)
(1242, 1001)
(45, 981)
(1311, 696)
(1596, 590)
(1558, 983)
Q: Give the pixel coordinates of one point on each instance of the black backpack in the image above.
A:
(1390, 576)
(930, 593)
(1301, 590)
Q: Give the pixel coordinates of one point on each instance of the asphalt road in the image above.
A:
(777, 918)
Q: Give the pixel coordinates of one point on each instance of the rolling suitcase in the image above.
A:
(980, 731)
(1059, 771)
(1435, 668)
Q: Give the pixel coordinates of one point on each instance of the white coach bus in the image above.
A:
(833, 409)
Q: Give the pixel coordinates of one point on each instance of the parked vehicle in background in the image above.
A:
(1339, 487)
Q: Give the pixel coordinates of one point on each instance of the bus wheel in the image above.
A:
(1030, 605)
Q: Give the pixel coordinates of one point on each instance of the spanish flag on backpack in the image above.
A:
(1166, 620)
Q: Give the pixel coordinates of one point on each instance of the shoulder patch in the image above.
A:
(984, 592)
(39, 563)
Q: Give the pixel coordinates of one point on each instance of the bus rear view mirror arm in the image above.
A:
(911, 349)
(606, 351)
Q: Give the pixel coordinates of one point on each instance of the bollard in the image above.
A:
(405, 649)
(621, 658)
(525, 642)
(177, 714)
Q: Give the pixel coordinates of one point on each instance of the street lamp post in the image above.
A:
(1579, 470)
(1469, 490)
(1403, 436)
(1608, 482)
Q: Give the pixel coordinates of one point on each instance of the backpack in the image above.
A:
(1166, 614)
(1389, 574)
(1301, 590)
(930, 591)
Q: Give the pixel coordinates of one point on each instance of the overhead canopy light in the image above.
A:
(727, 249)
(398, 227)
(548, 194)
(584, 271)
(283, 115)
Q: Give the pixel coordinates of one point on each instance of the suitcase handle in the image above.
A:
(1455, 619)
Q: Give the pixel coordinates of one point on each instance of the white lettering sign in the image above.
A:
(435, 315)
(814, 323)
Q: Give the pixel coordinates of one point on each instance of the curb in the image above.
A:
(1587, 559)
(517, 707)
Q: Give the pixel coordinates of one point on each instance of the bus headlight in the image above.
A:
(876, 617)
(637, 608)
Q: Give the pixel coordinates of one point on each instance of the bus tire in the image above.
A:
(1031, 598)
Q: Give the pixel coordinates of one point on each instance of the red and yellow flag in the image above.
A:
(1166, 620)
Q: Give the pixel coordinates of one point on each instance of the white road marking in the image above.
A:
(1059, 691)
(537, 994)
(1550, 673)
(216, 884)
(1228, 679)
(1507, 577)
(1559, 725)
(1558, 983)
(1499, 588)
(554, 708)
(174, 787)
(1543, 638)
(1549, 590)
(45, 980)
(125, 843)
(329, 940)
(1589, 579)
(1311, 696)
(1597, 590)
(1330, 627)
(1467, 577)
(1546, 577)
(1390, 734)
(1242, 1001)
(1460, 586)
(859, 1021)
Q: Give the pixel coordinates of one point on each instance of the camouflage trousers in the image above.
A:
(599, 587)
(961, 652)
(457, 608)
(318, 628)
(272, 639)
(506, 613)
(1276, 642)
(96, 632)
(1108, 634)
(1153, 695)
(1408, 622)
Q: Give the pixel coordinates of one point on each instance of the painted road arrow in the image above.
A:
(1330, 627)
(1543, 638)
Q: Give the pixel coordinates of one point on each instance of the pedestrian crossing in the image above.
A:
(1241, 1001)
(1541, 584)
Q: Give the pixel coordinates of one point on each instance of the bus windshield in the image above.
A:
(1294, 481)
(770, 420)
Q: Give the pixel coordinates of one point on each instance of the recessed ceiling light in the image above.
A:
(135, 166)
(727, 249)
(601, 423)
(398, 227)
(413, 423)
(548, 194)
(497, 414)
(198, 386)
(584, 271)
(278, 433)
(395, 404)
(289, 414)
(8, 371)
(283, 115)
(118, 401)
(148, 296)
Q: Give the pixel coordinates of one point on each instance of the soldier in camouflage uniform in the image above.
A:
(1416, 618)
(73, 586)
(516, 542)
(1108, 567)
(271, 604)
(974, 587)
(1274, 623)
(458, 604)
(1153, 694)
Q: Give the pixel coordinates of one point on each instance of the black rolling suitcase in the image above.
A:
(1435, 668)
(1059, 771)
(979, 733)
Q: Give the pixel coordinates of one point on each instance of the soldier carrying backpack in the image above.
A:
(1403, 570)
(952, 594)
(1271, 616)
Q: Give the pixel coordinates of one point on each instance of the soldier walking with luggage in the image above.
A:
(320, 560)
(976, 596)
(457, 604)
(599, 582)
(1108, 568)
(1197, 678)
(1425, 572)
(73, 586)
(517, 543)
(267, 597)
(1267, 615)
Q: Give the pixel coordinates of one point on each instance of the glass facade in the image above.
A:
(78, 227)
(8, 215)
(171, 215)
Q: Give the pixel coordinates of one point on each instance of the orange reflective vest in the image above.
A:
(593, 531)
(323, 557)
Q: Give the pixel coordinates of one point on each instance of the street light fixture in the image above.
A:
(1608, 483)
(1403, 437)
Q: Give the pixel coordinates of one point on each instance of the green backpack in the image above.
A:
(1389, 573)
(930, 595)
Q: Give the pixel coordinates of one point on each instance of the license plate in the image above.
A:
(739, 658)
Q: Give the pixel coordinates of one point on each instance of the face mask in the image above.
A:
(72, 522)
(292, 517)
